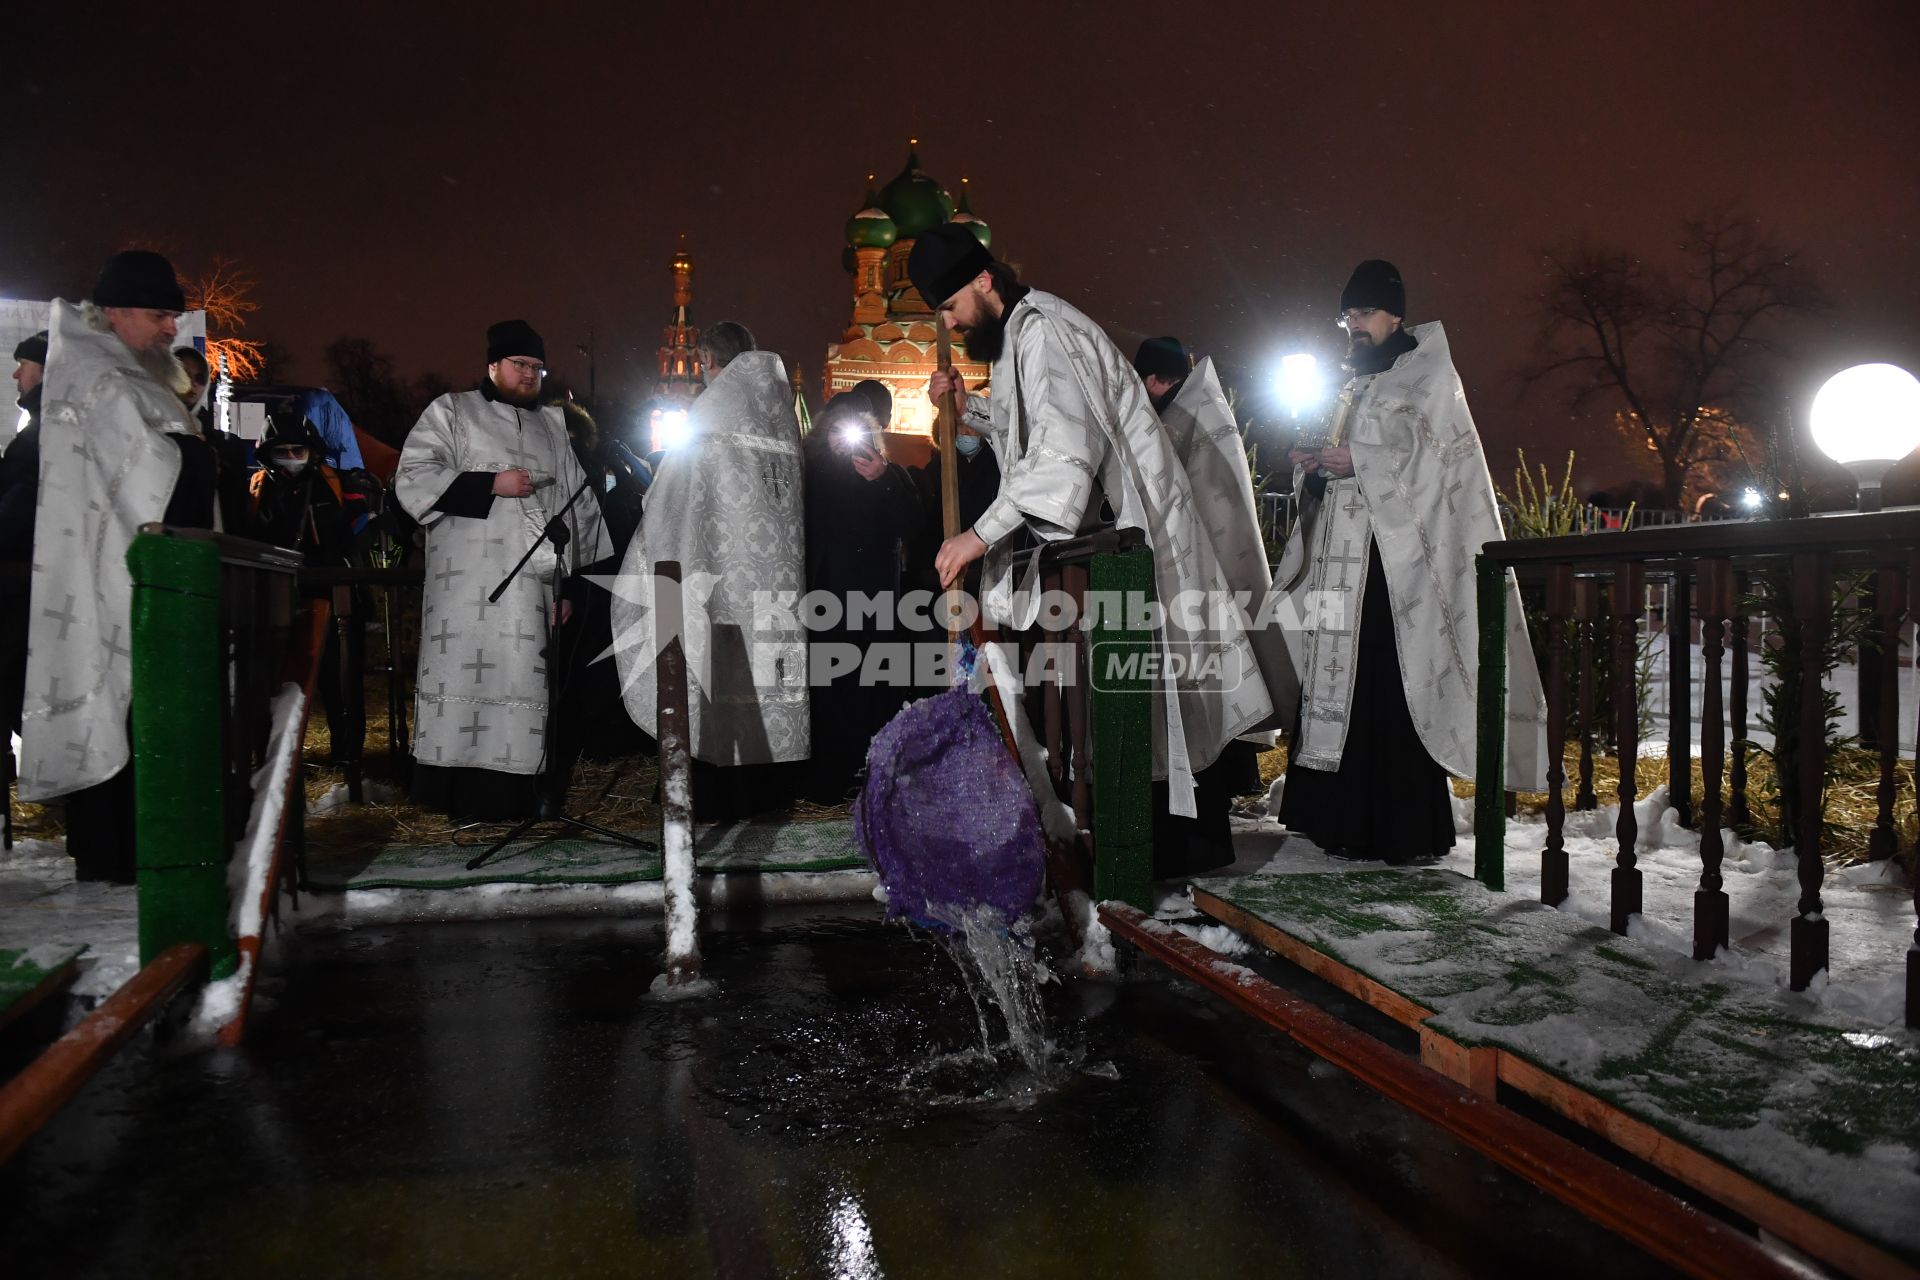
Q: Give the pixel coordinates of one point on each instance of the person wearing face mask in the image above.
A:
(979, 486)
(297, 501)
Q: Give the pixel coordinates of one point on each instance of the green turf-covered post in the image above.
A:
(1120, 696)
(1490, 774)
(181, 842)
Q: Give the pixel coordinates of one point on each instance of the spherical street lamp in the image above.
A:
(1866, 419)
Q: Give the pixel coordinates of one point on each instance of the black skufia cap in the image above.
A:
(513, 338)
(1376, 283)
(139, 278)
(1162, 358)
(944, 260)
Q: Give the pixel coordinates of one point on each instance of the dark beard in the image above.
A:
(494, 391)
(1369, 358)
(984, 341)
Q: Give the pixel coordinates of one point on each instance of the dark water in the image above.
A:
(503, 1100)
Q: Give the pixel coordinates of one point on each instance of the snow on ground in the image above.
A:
(41, 907)
(1869, 907)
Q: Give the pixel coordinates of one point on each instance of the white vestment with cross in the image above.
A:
(726, 506)
(1072, 427)
(1421, 493)
(481, 700)
(106, 468)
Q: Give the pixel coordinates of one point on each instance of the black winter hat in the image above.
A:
(139, 278)
(1162, 358)
(1375, 283)
(944, 260)
(289, 424)
(34, 348)
(513, 338)
(878, 399)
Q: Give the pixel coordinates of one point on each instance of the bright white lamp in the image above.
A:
(1866, 419)
(673, 429)
(1301, 386)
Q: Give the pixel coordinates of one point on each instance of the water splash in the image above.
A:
(1003, 975)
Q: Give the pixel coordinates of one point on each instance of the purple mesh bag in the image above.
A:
(946, 817)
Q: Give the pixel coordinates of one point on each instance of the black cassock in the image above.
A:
(855, 528)
(1388, 800)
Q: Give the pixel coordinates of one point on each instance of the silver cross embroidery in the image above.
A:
(479, 666)
(475, 729)
(64, 616)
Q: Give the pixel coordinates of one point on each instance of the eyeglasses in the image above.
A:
(1355, 317)
(533, 367)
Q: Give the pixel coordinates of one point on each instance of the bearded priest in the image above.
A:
(484, 471)
(1073, 429)
(117, 450)
(1395, 503)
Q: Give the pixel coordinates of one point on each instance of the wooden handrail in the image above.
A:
(1666, 1227)
(236, 551)
(1868, 536)
(50, 1081)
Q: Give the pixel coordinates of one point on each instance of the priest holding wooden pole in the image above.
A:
(1073, 428)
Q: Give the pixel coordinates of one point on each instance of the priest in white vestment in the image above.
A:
(117, 450)
(1379, 567)
(1200, 421)
(1072, 427)
(726, 505)
(485, 472)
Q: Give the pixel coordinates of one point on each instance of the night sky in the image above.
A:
(411, 172)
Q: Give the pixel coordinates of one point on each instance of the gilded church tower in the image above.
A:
(891, 338)
(679, 356)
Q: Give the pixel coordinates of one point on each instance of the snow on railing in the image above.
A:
(1600, 612)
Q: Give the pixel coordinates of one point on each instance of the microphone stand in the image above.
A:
(557, 533)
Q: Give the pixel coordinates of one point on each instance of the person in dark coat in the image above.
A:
(297, 501)
(979, 485)
(19, 487)
(232, 457)
(861, 508)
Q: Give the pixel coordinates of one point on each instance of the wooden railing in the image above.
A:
(1096, 732)
(1594, 589)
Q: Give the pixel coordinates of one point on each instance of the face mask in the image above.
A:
(292, 466)
(968, 445)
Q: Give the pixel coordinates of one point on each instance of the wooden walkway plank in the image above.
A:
(1483, 1068)
(36, 1095)
(1670, 1230)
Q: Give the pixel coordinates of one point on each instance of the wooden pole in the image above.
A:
(1553, 859)
(1489, 794)
(1710, 906)
(948, 424)
(1813, 610)
(676, 784)
(1623, 613)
